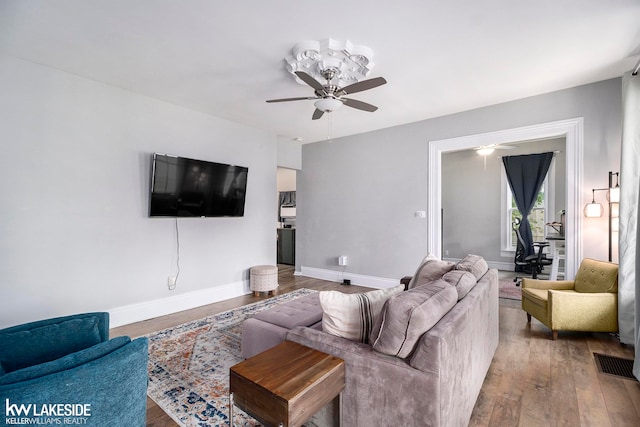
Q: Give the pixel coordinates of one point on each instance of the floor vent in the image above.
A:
(616, 366)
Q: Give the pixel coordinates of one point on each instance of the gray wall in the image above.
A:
(357, 195)
(478, 231)
(74, 179)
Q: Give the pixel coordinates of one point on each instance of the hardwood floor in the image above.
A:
(532, 381)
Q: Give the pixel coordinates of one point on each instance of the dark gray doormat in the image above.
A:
(616, 366)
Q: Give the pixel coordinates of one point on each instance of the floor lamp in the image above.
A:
(595, 210)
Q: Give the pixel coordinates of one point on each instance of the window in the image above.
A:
(541, 213)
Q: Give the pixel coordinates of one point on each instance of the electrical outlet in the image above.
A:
(342, 260)
(171, 282)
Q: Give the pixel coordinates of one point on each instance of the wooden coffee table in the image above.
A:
(286, 385)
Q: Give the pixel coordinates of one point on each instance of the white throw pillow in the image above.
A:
(352, 316)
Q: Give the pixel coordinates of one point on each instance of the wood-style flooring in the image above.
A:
(532, 381)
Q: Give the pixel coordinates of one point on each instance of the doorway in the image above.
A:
(571, 130)
(479, 219)
(286, 216)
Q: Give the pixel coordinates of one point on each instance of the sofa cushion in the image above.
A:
(430, 269)
(462, 280)
(407, 316)
(69, 361)
(474, 264)
(303, 311)
(351, 316)
(45, 343)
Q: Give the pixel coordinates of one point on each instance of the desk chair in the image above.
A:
(534, 263)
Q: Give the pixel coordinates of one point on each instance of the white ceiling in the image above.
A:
(226, 58)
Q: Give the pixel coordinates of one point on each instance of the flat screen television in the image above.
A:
(182, 187)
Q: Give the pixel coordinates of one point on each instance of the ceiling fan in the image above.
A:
(330, 97)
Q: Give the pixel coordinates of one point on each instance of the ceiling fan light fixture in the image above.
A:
(333, 69)
(328, 104)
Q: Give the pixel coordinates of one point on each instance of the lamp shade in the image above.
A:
(593, 210)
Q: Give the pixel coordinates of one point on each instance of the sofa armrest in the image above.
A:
(114, 385)
(65, 363)
(405, 281)
(567, 311)
(547, 284)
(373, 380)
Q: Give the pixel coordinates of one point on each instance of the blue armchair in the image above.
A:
(66, 370)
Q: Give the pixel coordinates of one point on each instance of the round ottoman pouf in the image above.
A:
(263, 278)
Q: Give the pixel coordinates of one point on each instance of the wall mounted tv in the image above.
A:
(182, 187)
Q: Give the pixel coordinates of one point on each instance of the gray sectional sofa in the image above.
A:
(404, 376)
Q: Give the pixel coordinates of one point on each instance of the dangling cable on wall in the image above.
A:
(177, 251)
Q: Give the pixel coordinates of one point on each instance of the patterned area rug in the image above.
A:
(508, 289)
(189, 365)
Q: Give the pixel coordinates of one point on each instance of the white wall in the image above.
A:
(357, 196)
(74, 183)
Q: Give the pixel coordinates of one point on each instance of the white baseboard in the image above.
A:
(149, 309)
(356, 279)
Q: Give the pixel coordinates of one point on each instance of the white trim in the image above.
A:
(160, 307)
(373, 281)
(571, 130)
(504, 191)
(356, 279)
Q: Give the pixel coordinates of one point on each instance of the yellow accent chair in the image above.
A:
(589, 303)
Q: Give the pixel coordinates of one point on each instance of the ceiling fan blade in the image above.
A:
(354, 103)
(310, 81)
(292, 99)
(317, 114)
(363, 85)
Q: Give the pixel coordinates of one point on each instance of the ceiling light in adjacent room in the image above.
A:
(485, 151)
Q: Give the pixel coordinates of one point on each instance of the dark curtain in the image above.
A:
(286, 198)
(526, 175)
